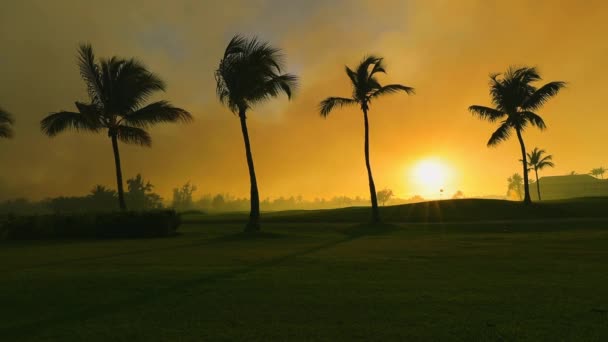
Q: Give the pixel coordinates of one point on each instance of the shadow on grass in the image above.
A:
(205, 282)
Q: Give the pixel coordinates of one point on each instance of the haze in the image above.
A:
(445, 49)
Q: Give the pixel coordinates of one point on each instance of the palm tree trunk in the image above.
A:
(121, 191)
(524, 160)
(254, 215)
(372, 186)
(537, 183)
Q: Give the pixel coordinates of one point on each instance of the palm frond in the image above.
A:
(133, 135)
(378, 67)
(486, 113)
(541, 165)
(6, 117)
(157, 112)
(391, 89)
(542, 95)
(330, 103)
(6, 122)
(235, 46)
(352, 76)
(534, 119)
(90, 73)
(131, 83)
(56, 123)
(501, 134)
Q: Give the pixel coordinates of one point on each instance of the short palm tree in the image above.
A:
(6, 124)
(366, 88)
(598, 172)
(118, 90)
(250, 72)
(537, 160)
(515, 101)
(515, 185)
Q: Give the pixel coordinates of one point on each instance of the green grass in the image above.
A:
(316, 280)
(464, 210)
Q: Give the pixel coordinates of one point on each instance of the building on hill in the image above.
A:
(560, 187)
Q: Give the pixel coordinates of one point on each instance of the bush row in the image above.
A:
(132, 224)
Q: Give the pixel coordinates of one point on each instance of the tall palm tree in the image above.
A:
(250, 72)
(598, 172)
(537, 160)
(365, 89)
(515, 101)
(6, 123)
(118, 90)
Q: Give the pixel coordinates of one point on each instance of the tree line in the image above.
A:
(250, 72)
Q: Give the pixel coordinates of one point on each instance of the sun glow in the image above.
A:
(431, 176)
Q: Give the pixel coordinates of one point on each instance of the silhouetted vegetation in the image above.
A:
(598, 172)
(6, 124)
(182, 197)
(458, 195)
(118, 91)
(140, 195)
(384, 195)
(515, 186)
(538, 161)
(365, 89)
(250, 72)
(515, 101)
(124, 224)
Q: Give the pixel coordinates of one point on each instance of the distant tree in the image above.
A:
(250, 72)
(537, 160)
(218, 202)
(515, 99)
(182, 197)
(598, 172)
(140, 195)
(102, 198)
(6, 124)
(118, 90)
(384, 195)
(366, 89)
(572, 173)
(515, 183)
(458, 195)
(416, 198)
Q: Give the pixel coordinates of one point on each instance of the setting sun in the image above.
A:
(430, 177)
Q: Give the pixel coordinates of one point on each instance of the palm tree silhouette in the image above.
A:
(118, 90)
(365, 89)
(515, 184)
(515, 100)
(598, 172)
(6, 123)
(538, 161)
(250, 72)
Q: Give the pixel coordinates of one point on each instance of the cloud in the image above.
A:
(445, 49)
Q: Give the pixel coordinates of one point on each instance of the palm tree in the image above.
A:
(118, 90)
(515, 184)
(598, 172)
(250, 72)
(515, 99)
(365, 89)
(6, 123)
(537, 161)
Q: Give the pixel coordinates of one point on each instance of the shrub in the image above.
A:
(132, 224)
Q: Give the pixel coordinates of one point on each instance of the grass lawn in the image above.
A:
(485, 280)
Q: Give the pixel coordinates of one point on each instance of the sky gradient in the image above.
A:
(444, 49)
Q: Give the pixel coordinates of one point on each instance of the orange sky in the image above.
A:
(445, 49)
